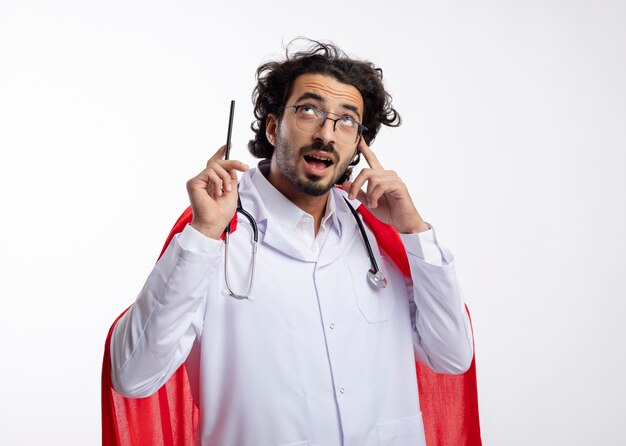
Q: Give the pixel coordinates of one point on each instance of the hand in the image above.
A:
(213, 194)
(386, 196)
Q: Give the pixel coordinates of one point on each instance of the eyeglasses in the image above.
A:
(310, 119)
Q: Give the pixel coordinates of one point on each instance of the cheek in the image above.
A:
(284, 147)
(348, 157)
(344, 164)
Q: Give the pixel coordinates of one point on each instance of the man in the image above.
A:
(315, 353)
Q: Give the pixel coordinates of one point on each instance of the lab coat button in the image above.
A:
(332, 325)
(341, 390)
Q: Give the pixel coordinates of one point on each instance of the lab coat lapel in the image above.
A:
(271, 232)
(276, 237)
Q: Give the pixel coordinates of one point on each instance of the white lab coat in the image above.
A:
(319, 356)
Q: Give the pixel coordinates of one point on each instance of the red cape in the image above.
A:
(449, 403)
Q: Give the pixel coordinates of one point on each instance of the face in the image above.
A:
(311, 163)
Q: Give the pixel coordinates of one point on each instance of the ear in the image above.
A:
(271, 126)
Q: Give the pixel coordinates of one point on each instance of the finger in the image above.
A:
(214, 181)
(233, 177)
(378, 191)
(358, 183)
(217, 155)
(230, 172)
(369, 155)
(228, 165)
(374, 179)
(227, 170)
(359, 194)
(224, 175)
(233, 165)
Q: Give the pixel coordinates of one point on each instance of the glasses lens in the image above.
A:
(309, 120)
(347, 130)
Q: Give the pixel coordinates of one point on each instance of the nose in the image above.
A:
(326, 133)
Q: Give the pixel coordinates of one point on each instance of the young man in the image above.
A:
(319, 351)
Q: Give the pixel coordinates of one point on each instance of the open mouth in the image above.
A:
(318, 161)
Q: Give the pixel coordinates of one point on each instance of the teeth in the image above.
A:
(321, 158)
(326, 160)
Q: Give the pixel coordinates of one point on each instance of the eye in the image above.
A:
(308, 110)
(347, 121)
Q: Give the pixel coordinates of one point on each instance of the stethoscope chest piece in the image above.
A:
(377, 278)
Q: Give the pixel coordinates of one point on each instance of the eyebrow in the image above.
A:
(317, 97)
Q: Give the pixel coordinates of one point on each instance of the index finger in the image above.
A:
(217, 155)
(369, 155)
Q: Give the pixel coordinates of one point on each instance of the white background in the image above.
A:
(513, 145)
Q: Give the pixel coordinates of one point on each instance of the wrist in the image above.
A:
(419, 226)
(209, 231)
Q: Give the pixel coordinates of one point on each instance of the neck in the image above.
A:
(312, 205)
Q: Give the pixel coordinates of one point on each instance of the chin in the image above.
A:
(313, 185)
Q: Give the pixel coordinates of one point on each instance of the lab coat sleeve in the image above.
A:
(154, 337)
(442, 335)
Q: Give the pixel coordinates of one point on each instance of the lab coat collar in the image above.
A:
(283, 211)
(277, 216)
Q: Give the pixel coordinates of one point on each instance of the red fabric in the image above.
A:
(167, 418)
(449, 403)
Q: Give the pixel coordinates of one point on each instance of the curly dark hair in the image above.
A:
(275, 80)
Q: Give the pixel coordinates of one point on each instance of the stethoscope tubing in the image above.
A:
(255, 240)
(374, 274)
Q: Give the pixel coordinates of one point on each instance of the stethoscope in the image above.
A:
(374, 274)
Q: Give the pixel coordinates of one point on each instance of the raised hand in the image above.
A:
(386, 195)
(213, 194)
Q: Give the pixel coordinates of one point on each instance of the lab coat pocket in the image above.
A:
(376, 304)
(403, 431)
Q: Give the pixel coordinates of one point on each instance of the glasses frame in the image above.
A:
(360, 130)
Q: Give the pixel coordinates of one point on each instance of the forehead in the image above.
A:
(332, 91)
